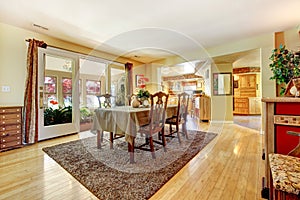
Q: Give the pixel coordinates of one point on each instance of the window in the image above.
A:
(67, 91)
(50, 92)
(92, 90)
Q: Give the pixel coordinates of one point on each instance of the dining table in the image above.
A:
(124, 119)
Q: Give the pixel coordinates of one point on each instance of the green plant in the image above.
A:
(57, 116)
(143, 94)
(285, 65)
(85, 114)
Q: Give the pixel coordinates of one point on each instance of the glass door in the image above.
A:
(58, 93)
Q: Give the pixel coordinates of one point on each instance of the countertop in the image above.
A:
(281, 99)
(285, 172)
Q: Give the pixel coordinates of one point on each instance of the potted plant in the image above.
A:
(143, 96)
(285, 66)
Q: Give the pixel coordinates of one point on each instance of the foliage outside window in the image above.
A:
(92, 90)
(67, 91)
(50, 91)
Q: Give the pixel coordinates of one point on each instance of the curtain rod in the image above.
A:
(27, 40)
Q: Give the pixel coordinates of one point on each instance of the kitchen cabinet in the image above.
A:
(254, 105)
(247, 85)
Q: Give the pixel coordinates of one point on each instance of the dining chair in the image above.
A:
(180, 118)
(105, 101)
(157, 117)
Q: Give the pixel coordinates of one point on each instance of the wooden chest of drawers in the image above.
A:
(10, 127)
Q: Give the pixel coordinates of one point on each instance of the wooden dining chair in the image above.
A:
(157, 117)
(105, 101)
(180, 118)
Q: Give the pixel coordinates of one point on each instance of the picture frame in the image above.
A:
(140, 81)
(222, 84)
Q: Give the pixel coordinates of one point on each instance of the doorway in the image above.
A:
(58, 93)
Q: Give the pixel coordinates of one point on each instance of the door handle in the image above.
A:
(41, 100)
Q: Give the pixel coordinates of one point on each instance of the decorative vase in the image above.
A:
(135, 102)
(296, 82)
(146, 103)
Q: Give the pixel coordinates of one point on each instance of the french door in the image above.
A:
(58, 93)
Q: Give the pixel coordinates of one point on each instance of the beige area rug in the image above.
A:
(108, 174)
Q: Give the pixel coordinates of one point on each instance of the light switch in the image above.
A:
(5, 88)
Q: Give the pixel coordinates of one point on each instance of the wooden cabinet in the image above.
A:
(10, 127)
(254, 105)
(281, 115)
(247, 85)
(248, 81)
(202, 108)
(241, 105)
(247, 105)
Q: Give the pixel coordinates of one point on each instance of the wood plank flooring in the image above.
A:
(230, 167)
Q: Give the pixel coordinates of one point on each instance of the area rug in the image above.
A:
(108, 174)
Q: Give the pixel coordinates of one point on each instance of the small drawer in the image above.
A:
(239, 99)
(10, 133)
(10, 110)
(10, 127)
(9, 139)
(287, 109)
(10, 116)
(287, 120)
(10, 144)
(10, 121)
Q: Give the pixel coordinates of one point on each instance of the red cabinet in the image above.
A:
(285, 142)
(282, 114)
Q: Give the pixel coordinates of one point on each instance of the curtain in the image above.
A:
(129, 82)
(30, 111)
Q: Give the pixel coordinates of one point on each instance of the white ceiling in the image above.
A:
(147, 30)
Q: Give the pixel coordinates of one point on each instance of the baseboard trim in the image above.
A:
(221, 122)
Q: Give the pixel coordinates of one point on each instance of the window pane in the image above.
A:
(67, 100)
(51, 101)
(92, 87)
(67, 85)
(92, 101)
(50, 84)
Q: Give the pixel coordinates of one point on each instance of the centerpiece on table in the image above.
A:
(286, 70)
(143, 96)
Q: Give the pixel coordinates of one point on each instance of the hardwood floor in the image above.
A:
(230, 167)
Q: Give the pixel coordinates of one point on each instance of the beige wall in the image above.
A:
(13, 51)
(265, 44)
(221, 106)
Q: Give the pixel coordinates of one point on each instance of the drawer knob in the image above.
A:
(18, 131)
(3, 128)
(3, 140)
(18, 120)
(18, 126)
(18, 109)
(18, 115)
(18, 142)
(3, 145)
(18, 137)
(3, 110)
(3, 117)
(3, 122)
